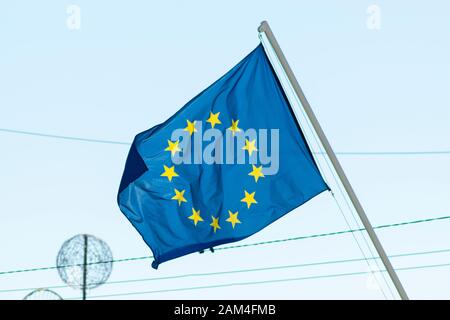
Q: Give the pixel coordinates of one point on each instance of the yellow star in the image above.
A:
(250, 146)
(190, 127)
(233, 219)
(173, 147)
(234, 126)
(179, 196)
(215, 223)
(249, 198)
(256, 173)
(195, 216)
(214, 119)
(169, 172)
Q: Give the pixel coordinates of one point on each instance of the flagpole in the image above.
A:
(264, 27)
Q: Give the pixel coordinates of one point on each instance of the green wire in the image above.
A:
(244, 245)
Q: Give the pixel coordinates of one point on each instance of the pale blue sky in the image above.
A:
(133, 64)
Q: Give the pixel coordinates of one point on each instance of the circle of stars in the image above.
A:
(249, 197)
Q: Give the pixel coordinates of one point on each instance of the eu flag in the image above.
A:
(226, 165)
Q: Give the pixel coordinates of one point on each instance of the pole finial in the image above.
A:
(263, 26)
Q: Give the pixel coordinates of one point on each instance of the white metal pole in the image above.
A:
(264, 27)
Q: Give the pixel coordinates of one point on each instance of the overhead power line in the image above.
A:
(342, 153)
(250, 244)
(217, 273)
(73, 265)
(53, 136)
(325, 276)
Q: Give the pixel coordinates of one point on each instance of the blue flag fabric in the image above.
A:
(184, 206)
